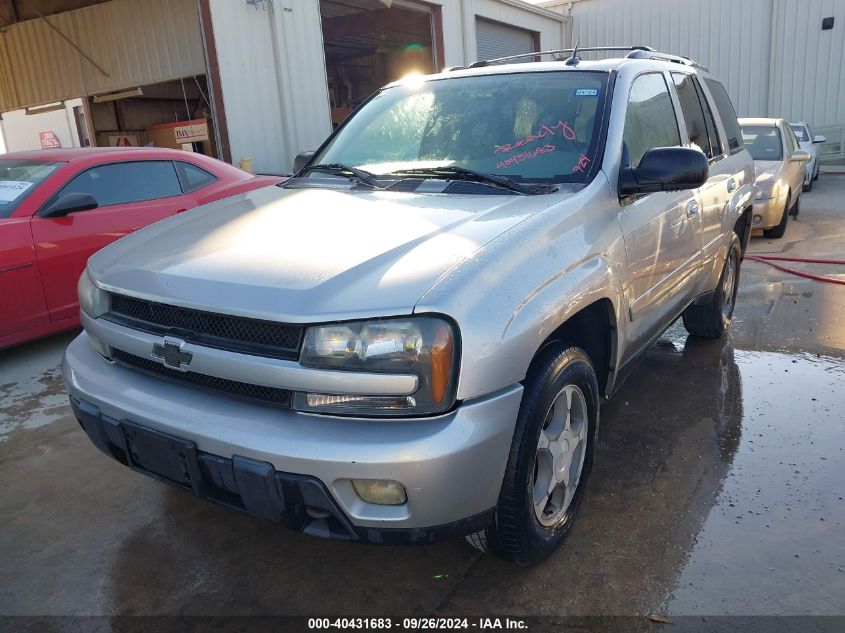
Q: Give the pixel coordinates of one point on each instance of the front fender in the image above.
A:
(557, 300)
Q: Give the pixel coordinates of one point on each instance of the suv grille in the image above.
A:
(221, 331)
(267, 395)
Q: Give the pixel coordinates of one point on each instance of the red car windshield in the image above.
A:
(19, 178)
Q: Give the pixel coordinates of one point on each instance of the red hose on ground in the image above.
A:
(769, 259)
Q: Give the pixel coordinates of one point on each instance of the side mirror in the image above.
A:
(818, 138)
(665, 169)
(799, 156)
(301, 160)
(70, 203)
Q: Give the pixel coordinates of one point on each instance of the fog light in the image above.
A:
(756, 219)
(380, 491)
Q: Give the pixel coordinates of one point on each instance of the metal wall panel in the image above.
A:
(136, 43)
(273, 79)
(808, 64)
(731, 38)
(772, 55)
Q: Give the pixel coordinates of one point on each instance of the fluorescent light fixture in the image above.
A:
(48, 107)
(114, 96)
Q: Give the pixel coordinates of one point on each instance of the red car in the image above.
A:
(57, 207)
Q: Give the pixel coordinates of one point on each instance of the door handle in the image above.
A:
(692, 209)
(731, 185)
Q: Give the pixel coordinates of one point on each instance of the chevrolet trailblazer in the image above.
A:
(410, 339)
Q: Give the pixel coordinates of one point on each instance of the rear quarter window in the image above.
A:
(193, 177)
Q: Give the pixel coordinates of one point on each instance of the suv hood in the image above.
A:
(302, 255)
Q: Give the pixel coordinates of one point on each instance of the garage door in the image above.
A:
(493, 39)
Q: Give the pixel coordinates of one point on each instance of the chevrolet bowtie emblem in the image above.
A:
(171, 353)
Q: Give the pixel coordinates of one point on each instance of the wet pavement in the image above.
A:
(718, 490)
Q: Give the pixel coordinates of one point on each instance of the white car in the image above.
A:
(808, 143)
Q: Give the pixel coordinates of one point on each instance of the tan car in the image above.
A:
(779, 167)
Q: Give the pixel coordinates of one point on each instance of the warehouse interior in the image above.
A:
(369, 43)
(139, 69)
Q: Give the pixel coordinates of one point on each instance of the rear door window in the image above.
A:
(650, 120)
(727, 114)
(701, 133)
(125, 182)
(710, 119)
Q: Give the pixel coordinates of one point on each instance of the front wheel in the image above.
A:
(550, 458)
(777, 231)
(713, 318)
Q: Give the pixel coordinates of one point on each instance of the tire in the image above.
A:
(560, 408)
(816, 177)
(796, 208)
(713, 318)
(809, 185)
(776, 232)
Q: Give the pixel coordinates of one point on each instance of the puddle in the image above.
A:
(773, 542)
(32, 402)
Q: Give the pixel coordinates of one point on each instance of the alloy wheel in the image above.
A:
(561, 450)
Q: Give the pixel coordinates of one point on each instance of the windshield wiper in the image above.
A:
(343, 170)
(462, 173)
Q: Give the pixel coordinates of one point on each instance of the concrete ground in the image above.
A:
(718, 490)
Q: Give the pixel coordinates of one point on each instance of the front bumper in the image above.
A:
(767, 212)
(248, 454)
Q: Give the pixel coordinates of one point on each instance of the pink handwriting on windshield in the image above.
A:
(524, 156)
(547, 130)
(583, 161)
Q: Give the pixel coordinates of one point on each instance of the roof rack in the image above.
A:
(633, 52)
(666, 57)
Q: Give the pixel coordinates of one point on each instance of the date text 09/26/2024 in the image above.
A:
(417, 623)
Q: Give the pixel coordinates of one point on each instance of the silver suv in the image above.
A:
(410, 339)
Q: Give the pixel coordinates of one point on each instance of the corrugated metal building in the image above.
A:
(271, 76)
(775, 57)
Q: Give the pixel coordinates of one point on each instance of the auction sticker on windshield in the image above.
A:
(11, 189)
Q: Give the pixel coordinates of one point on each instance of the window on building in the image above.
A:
(650, 120)
(121, 183)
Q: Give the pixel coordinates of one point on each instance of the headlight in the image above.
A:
(92, 300)
(424, 346)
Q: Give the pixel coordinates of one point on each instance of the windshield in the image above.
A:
(19, 178)
(801, 133)
(763, 142)
(527, 126)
